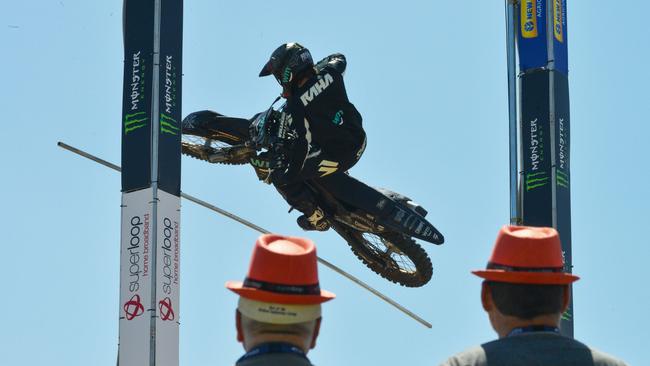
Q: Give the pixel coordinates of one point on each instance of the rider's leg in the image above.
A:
(300, 198)
(318, 165)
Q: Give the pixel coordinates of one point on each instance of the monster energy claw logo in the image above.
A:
(168, 125)
(134, 121)
(536, 180)
(562, 179)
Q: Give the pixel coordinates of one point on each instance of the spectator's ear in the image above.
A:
(240, 333)
(315, 335)
(566, 297)
(486, 297)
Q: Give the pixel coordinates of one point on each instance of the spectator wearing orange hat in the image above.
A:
(279, 311)
(525, 293)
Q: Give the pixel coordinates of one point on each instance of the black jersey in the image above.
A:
(322, 115)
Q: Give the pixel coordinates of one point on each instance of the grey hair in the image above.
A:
(256, 328)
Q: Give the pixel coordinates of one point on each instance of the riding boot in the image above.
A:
(313, 221)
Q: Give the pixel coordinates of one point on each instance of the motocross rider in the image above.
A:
(330, 137)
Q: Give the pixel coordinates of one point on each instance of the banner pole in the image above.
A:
(515, 217)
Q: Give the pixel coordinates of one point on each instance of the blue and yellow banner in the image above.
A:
(532, 35)
(560, 36)
(539, 21)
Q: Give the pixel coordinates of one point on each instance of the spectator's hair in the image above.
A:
(527, 301)
(254, 327)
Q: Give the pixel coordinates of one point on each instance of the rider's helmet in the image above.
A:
(287, 63)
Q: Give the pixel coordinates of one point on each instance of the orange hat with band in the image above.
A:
(283, 270)
(527, 255)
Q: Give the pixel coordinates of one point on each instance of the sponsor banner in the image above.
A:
(532, 45)
(171, 48)
(168, 279)
(563, 177)
(536, 146)
(562, 130)
(136, 104)
(560, 36)
(135, 277)
(546, 185)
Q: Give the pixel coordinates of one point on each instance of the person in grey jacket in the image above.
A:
(525, 293)
(278, 315)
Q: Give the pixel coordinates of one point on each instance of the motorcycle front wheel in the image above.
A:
(394, 256)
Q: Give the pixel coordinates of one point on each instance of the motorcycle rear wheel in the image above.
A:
(393, 256)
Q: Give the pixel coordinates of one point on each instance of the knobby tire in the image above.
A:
(403, 262)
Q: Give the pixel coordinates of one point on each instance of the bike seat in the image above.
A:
(357, 194)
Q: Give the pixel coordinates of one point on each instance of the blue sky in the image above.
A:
(430, 81)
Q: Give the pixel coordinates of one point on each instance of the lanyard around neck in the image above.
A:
(267, 348)
(533, 329)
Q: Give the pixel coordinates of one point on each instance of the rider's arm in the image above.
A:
(300, 147)
(335, 61)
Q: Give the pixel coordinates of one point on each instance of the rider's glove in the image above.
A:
(279, 165)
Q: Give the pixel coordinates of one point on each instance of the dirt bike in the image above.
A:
(379, 225)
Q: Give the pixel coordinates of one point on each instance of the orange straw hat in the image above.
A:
(282, 270)
(527, 255)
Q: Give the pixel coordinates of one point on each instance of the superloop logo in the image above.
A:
(138, 251)
(166, 310)
(170, 255)
(133, 308)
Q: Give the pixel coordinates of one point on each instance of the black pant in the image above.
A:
(318, 165)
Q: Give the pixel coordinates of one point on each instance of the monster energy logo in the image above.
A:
(536, 180)
(562, 179)
(564, 153)
(137, 82)
(536, 144)
(134, 121)
(170, 87)
(168, 125)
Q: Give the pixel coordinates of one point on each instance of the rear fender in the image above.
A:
(398, 197)
(410, 222)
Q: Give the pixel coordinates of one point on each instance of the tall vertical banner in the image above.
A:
(151, 168)
(545, 123)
